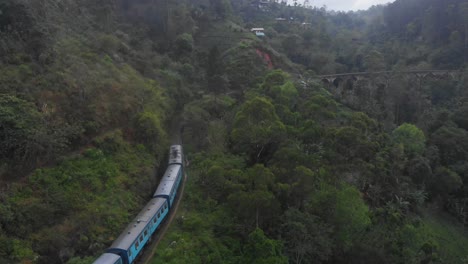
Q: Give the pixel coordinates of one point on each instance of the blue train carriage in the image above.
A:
(130, 243)
(169, 184)
(173, 176)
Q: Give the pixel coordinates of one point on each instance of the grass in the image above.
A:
(451, 236)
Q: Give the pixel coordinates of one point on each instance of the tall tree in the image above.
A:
(411, 137)
(259, 249)
(257, 129)
(307, 238)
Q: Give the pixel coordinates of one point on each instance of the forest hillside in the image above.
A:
(285, 166)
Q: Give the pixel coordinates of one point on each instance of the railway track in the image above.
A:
(151, 248)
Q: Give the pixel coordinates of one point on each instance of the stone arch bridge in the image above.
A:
(350, 78)
(392, 96)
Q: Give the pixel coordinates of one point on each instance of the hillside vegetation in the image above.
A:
(281, 170)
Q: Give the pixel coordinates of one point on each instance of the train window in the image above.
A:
(146, 232)
(154, 220)
(130, 253)
(159, 214)
(141, 238)
(137, 244)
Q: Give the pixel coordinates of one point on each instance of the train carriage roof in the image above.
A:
(175, 154)
(167, 182)
(107, 258)
(138, 224)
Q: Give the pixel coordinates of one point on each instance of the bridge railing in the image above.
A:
(386, 72)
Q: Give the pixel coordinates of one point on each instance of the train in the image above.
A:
(129, 245)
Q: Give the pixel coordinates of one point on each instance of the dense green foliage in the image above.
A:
(411, 137)
(334, 187)
(82, 125)
(61, 211)
(283, 169)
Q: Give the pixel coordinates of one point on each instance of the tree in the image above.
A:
(196, 119)
(351, 144)
(255, 204)
(452, 143)
(351, 216)
(221, 8)
(25, 136)
(445, 181)
(419, 169)
(411, 137)
(320, 108)
(374, 61)
(214, 64)
(217, 80)
(257, 128)
(285, 94)
(460, 117)
(259, 249)
(344, 208)
(456, 41)
(150, 131)
(307, 238)
(183, 44)
(303, 181)
(274, 78)
(20, 29)
(19, 122)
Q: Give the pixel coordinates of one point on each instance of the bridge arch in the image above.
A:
(337, 81)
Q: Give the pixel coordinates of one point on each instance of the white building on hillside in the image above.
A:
(259, 32)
